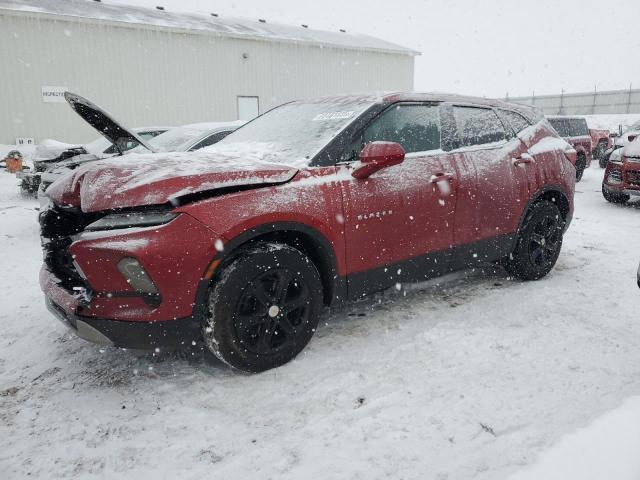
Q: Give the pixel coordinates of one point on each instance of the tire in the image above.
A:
(581, 164)
(264, 307)
(614, 197)
(599, 150)
(539, 242)
(603, 161)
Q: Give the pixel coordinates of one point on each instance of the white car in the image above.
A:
(51, 153)
(195, 136)
(186, 138)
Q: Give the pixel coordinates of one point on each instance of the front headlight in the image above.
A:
(616, 156)
(149, 218)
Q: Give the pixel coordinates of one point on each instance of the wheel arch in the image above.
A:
(554, 194)
(308, 240)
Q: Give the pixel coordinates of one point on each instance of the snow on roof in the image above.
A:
(202, 23)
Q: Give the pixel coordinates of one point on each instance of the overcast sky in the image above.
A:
(476, 47)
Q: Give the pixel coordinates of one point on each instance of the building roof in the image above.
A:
(204, 23)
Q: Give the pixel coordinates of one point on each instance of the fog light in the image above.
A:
(614, 178)
(136, 275)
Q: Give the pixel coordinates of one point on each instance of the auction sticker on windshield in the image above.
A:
(333, 116)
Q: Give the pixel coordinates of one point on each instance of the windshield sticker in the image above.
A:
(322, 117)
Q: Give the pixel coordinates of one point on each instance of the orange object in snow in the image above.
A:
(13, 161)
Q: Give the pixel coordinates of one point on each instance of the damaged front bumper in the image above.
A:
(141, 335)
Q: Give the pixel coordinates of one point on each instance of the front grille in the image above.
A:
(633, 177)
(57, 225)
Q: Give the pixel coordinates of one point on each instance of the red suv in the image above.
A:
(315, 202)
(575, 131)
(622, 176)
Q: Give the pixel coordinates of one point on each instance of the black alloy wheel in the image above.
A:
(264, 306)
(539, 242)
(271, 311)
(545, 240)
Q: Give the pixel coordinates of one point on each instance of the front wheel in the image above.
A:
(612, 197)
(263, 308)
(538, 244)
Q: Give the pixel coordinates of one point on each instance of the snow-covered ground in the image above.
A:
(469, 377)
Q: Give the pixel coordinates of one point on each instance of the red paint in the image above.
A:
(629, 170)
(407, 206)
(600, 135)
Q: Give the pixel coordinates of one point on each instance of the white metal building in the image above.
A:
(156, 67)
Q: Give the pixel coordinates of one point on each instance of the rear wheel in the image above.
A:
(612, 197)
(581, 164)
(264, 307)
(599, 150)
(539, 242)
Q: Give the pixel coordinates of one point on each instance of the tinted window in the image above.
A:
(477, 126)
(515, 120)
(210, 140)
(415, 127)
(570, 127)
(578, 126)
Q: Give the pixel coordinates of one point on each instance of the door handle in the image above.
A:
(523, 159)
(438, 177)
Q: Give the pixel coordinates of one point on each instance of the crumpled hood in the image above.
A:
(153, 179)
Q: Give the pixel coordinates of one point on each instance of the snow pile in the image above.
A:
(49, 149)
(607, 449)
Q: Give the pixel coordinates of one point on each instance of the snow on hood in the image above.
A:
(633, 149)
(153, 179)
(50, 149)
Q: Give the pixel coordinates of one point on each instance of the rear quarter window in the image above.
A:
(477, 126)
(516, 121)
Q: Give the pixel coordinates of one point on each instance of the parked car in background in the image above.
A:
(620, 141)
(177, 139)
(195, 136)
(315, 202)
(187, 138)
(622, 176)
(575, 131)
(601, 140)
(50, 153)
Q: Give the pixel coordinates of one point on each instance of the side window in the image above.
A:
(517, 121)
(477, 126)
(415, 127)
(210, 140)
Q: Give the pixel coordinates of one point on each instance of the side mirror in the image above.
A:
(376, 156)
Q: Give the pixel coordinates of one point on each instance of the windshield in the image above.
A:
(294, 133)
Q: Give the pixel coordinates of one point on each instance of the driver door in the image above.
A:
(399, 221)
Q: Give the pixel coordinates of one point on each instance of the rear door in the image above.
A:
(500, 160)
(399, 221)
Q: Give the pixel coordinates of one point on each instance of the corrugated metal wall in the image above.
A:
(149, 76)
(605, 102)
